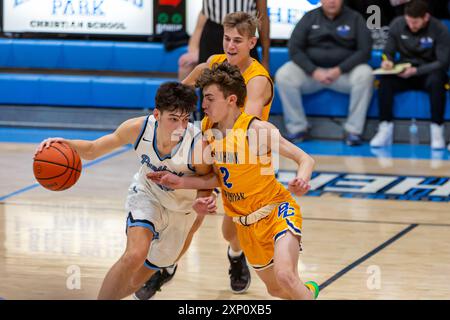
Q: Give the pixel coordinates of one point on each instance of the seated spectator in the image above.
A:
(423, 41)
(328, 48)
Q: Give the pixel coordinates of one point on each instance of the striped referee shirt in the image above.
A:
(216, 10)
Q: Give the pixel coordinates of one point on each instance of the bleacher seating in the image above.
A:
(327, 103)
(88, 55)
(107, 55)
(138, 92)
(82, 91)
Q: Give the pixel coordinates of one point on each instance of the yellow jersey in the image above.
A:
(254, 70)
(247, 181)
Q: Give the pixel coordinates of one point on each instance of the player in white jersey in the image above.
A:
(158, 219)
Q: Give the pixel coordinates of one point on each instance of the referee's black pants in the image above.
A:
(433, 83)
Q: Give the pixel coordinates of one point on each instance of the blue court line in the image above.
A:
(90, 164)
(19, 191)
(367, 256)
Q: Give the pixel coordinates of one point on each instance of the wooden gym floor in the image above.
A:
(354, 248)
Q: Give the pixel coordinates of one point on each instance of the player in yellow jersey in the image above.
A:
(239, 39)
(267, 218)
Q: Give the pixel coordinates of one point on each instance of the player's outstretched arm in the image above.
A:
(172, 181)
(126, 133)
(205, 178)
(259, 94)
(276, 143)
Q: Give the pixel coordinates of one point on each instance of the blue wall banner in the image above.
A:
(131, 17)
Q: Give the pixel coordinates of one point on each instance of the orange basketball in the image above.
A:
(57, 167)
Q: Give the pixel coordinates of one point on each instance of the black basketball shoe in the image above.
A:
(154, 284)
(239, 274)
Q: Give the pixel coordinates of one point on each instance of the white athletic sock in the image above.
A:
(171, 269)
(234, 254)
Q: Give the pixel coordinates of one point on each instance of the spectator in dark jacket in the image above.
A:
(329, 48)
(423, 41)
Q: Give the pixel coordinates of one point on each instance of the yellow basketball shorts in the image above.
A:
(258, 240)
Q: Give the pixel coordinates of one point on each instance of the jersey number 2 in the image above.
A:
(226, 174)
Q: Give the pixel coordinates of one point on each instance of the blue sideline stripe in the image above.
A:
(367, 256)
(19, 191)
(399, 151)
(90, 164)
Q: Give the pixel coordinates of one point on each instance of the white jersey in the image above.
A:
(178, 162)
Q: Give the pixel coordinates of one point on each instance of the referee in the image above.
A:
(207, 38)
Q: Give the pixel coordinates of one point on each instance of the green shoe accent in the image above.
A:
(315, 286)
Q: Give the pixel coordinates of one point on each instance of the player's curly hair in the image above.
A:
(228, 78)
(173, 96)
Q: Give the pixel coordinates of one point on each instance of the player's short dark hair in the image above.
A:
(175, 96)
(228, 78)
(416, 8)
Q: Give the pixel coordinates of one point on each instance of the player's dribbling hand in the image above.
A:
(166, 179)
(205, 205)
(47, 142)
(298, 186)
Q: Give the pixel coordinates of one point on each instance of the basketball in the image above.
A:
(57, 167)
